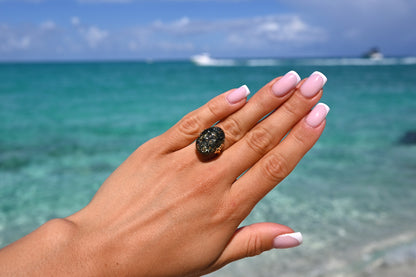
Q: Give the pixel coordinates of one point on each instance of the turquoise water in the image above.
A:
(66, 126)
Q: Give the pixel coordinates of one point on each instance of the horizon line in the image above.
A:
(179, 59)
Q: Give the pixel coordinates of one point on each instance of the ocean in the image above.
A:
(64, 127)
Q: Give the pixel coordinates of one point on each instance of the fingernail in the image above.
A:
(286, 83)
(287, 240)
(313, 84)
(317, 115)
(238, 94)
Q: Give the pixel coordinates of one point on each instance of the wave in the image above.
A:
(312, 62)
(399, 251)
(358, 61)
(264, 62)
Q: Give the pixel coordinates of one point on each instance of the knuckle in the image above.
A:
(190, 125)
(254, 245)
(214, 107)
(259, 140)
(233, 129)
(291, 109)
(276, 167)
(300, 139)
(263, 105)
(232, 210)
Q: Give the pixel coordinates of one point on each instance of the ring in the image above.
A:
(210, 142)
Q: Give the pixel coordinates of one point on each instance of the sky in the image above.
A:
(178, 29)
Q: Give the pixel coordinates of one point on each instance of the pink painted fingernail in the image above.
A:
(238, 94)
(313, 84)
(286, 83)
(317, 115)
(287, 240)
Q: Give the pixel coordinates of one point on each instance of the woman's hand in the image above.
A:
(167, 212)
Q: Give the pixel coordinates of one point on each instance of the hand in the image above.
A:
(166, 212)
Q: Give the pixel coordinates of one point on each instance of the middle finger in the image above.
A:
(262, 103)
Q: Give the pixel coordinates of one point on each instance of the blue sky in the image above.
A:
(172, 29)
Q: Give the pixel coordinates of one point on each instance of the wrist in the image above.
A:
(51, 250)
(59, 237)
(64, 250)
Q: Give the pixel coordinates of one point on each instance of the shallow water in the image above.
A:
(66, 126)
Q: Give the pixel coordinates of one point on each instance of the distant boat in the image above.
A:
(205, 59)
(374, 54)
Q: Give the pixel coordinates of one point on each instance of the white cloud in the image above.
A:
(269, 27)
(278, 27)
(182, 23)
(75, 21)
(327, 27)
(94, 35)
(49, 40)
(133, 45)
(48, 25)
(257, 35)
(20, 43)
(182, 37)
(355, 25)
(10, 41)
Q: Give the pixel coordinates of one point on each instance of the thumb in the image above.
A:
(254, 239)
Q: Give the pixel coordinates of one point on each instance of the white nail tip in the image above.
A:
(324, 78)
(297, 236)
(246, 89)
(296, 75)
(327, 108)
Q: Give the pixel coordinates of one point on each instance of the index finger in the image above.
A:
(190, 126)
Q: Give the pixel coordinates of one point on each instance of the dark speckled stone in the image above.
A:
(211, 141)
